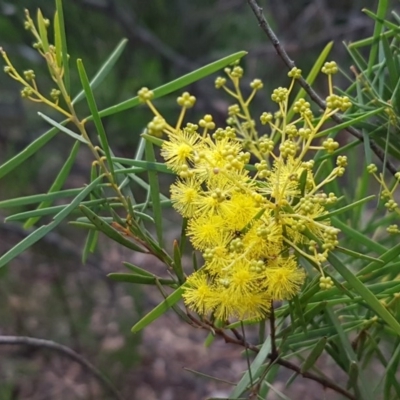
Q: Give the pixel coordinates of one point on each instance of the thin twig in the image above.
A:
(274, 350)
(66, 351)
(258, 12)
(240, 341)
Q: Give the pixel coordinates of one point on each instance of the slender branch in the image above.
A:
(240, 341)
(66, 351)
(258, 12)
(274, 350)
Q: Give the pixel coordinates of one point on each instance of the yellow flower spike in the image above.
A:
(198, 293)
(219, 259)
(284, 278)
(184, 195)
(180, 149)
(207, 231)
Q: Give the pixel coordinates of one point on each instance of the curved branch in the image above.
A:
(275, 358)
(66, 351)
(258, 12)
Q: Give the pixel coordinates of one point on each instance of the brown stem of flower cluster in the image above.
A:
(274, 356)
(65, 351)
(258, 12)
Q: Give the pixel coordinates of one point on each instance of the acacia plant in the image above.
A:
(281, 236)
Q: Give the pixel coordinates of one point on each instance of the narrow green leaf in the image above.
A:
(95, 115)
(84, 225)
(159, 310)
(145, 165)
(351, 356)
(254, 369)
(64, 48)
(140, 279)
(358, 237)
(390, 374)
(386, 257)
(154, 193)
(299, 313)
(43, 230)
(57, 39)
(104, 70)
(177, 264)
(90, 244)
(277, 392)
(314, 355)
(137, 270)
(183, 236)
(62, 128)
(23, 216)
(365, 293)
(109, 231)
(353, 375)
(370, 40)
(270, 378)
(42, 31)
(351, 121)
(381, 12)
(177, 83)
(389, 62)
(357, 255)
(58, 183)
(299, 340)
(36, 198)
(360, 62)
(152, 139)
(395, 98)
(30, 150)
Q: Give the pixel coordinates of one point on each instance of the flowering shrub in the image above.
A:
(257, 202)
(253, 201)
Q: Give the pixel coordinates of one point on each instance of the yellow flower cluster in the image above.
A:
(253, 203)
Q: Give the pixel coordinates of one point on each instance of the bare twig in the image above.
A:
(66, 351)
(274, 350)
(258, 12)
(240, 341)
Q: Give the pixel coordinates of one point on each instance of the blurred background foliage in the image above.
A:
(47, 292)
